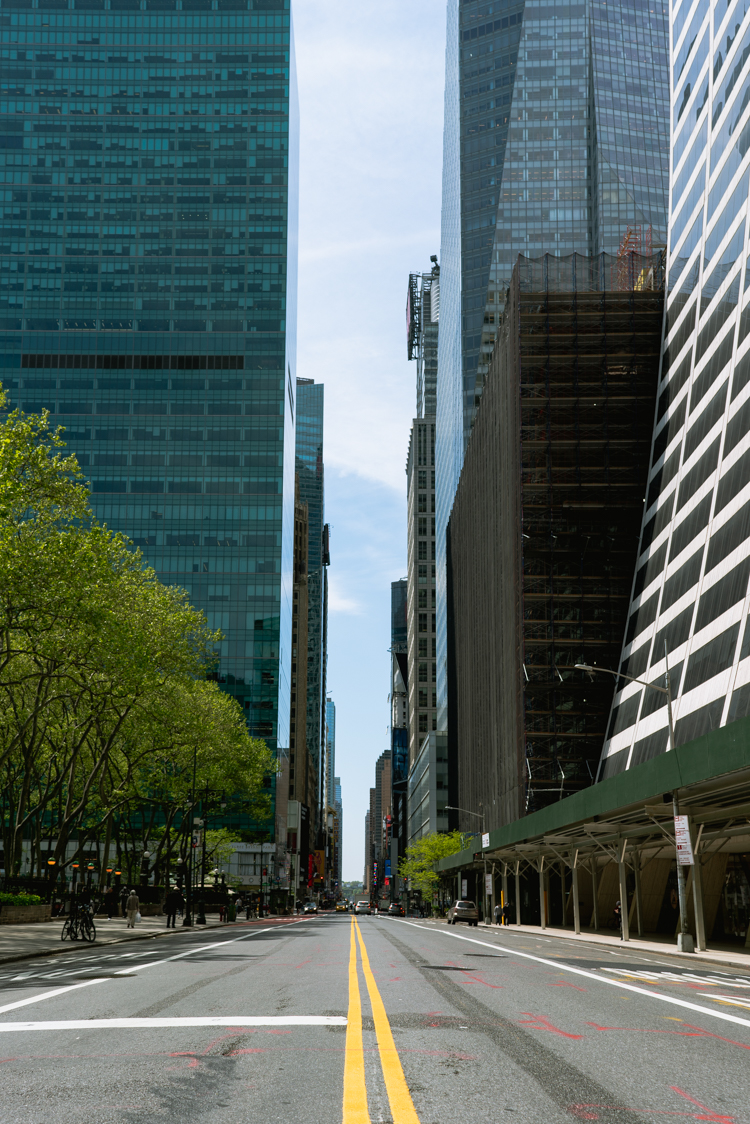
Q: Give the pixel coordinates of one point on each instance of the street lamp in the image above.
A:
(684, 939)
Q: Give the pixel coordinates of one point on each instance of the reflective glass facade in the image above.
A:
(148, 178)
(691, 584)
(556, 140)
(311, 490)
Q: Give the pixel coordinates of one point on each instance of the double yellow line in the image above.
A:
(355, 1090)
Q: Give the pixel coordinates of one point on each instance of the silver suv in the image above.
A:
(463, 911)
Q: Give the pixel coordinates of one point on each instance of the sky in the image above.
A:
(371, 77)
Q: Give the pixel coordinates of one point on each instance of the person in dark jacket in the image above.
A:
(506, 914)
(174, 901)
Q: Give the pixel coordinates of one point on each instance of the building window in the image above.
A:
(423, 622)
(423, 599)
(422, 503)
(423, 673)
(423, 574)
(434, 673)
(423, 648)
(423, 723)
(423, 551)
(423, 698)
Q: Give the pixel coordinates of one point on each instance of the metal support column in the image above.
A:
(595, 888)
(700, 919)
(505, 884)
(638, 896)
(542, 895)
(563, 895)
(623, 872)
(576, 903)
(518, 892)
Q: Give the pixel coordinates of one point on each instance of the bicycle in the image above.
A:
(80, 925)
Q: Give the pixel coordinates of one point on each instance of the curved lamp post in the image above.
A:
(684, 939)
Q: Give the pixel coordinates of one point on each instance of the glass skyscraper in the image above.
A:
(148, 171)
(311, 490)
(690, 591)
(556, 140)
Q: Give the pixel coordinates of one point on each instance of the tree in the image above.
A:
(106, 709)
(422, 856)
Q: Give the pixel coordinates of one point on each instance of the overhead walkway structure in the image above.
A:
(615, 841)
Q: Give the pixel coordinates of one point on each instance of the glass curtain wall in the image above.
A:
(148, 154)
(556, 140)
(310, 479)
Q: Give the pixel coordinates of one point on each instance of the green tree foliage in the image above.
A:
(421, 857)
(107, 719)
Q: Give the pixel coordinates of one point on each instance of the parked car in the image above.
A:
(463, 911)
(363, 907)
(395, 909)
(309, 907)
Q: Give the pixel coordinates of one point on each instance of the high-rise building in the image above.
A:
(148, 253)
(690, 594)
(338, 833)
(367, 874)
(399, 726)
(543, 536)
(299, 768)
(422, 324)
(556, 139)
(310, 476)
(330, 750)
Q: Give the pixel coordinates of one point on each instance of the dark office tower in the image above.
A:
(309, 460)
(148, 254)
(556, 141)
(543, 536)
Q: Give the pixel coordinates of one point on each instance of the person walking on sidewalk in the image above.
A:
(132, 905)
(618, 915)
(498, 914)
(174, 901)
(506, 914)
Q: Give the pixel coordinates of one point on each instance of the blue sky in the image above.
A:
(371, 109)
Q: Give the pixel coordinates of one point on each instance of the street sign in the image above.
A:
(464, 889)
(488, 885)
(485, 836)
(684, 843)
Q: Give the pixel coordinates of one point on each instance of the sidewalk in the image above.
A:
(18, 942)
(727, 956)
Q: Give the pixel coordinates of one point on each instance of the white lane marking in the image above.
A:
(47, 995)
(591, 976)
(129, 970)
(147, 1024)
(735, 1000)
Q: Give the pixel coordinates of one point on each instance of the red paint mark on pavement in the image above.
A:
(710, 1115)
(3, 1060)
(583, 1112)
(564, 983)
(395, 979)
(256, 1050)
(540, 1022)
(688, 1032)
(479, 980)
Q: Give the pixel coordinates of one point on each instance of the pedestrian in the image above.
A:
(110, 903)
(618, 915)
(132, 905)
(174, 901)
(506, 914)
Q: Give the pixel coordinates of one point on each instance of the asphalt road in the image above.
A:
(320, 1020)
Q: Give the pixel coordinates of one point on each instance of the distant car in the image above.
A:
(309, 907)
(341, 907)
(363, 907)
(463, 911)
(383, 905)
(395, 909)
